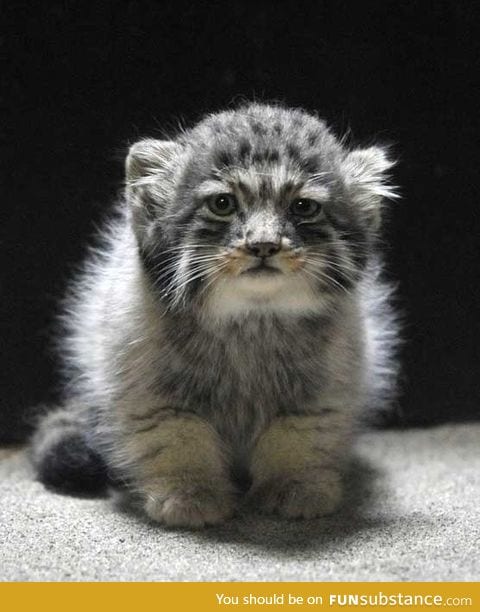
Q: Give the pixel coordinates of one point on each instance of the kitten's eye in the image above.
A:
(223, 205)
(304, 207)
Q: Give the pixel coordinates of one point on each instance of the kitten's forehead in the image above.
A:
(252, 186)
(263, 152)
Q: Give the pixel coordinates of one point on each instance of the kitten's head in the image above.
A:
(260, 208)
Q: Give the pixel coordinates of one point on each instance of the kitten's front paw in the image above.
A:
(302, 496)
(191, 507)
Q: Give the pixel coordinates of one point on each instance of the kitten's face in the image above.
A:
(260, 237)
(257, 209)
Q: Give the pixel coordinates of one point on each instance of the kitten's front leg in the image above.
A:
(181, 470)
(296, 466)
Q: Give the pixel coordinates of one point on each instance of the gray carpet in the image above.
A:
(411, 514)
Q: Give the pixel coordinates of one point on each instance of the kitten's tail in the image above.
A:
(62, 456)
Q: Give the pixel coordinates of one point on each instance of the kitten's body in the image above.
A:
(183, 382)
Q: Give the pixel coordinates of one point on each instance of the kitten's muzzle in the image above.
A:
(252, 257)
(262, 268)
(262, 249)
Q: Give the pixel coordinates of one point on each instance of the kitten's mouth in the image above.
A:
(261, 269)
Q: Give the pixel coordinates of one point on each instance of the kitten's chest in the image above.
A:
(246, 372)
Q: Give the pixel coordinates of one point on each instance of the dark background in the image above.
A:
(82, 80)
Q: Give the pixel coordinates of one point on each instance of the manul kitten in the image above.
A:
(233, 328)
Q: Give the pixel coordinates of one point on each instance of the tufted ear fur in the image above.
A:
(366, 180)
(150, 177)
(147, 159)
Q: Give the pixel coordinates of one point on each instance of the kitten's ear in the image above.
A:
(366, 180)
(147, 159)
(149, 169)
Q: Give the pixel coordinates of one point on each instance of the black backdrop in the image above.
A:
(83, 79)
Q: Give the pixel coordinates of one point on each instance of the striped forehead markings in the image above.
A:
(250, 184)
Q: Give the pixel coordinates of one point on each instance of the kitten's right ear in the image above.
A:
(149, 159)
(149, 170)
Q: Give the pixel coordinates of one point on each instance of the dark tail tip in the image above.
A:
(69, 465)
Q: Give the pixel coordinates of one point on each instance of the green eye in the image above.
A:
(223, 205)
(304, 207)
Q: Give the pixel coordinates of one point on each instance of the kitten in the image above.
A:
(233, 327)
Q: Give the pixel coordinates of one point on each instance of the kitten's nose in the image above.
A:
(263, 249)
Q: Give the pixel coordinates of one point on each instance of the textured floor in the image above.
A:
(412, 514)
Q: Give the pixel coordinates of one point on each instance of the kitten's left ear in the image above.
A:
(366, 180)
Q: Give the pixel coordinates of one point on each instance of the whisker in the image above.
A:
(209, 271)
(193, 274)
(343, 266)
(213, 279)
(191, 246)
(175, 259)
(322, 277)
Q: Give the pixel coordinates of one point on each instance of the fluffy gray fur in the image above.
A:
(206, 348)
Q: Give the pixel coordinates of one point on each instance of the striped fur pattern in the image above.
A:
(233, 330)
